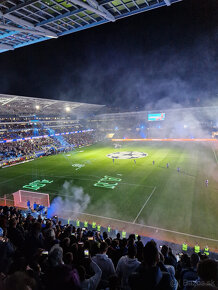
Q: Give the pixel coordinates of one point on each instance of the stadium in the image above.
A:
(96, 196)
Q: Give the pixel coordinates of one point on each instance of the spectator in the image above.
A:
(170, 253)
(65, 244)
(6, 253)
(140, 247)
(60, 276)
(15, 235)
(19, 281)
(34, 240)
(114, 251)
(208, 272)
(105, 264)
(126, 266)
(189, 275)
(28, 266)
(68, 259)
(168, 259)
(55, 256)
(149, 273)
(91, 283)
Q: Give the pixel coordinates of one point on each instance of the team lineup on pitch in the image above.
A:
(141, 193)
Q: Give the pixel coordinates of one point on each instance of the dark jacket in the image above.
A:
(16, 237)
(150, 279)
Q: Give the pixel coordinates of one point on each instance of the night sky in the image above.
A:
(164, 57)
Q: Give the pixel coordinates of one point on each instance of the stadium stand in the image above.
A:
(18, 151)
(40, 254)
(37, 253)
(29, 131)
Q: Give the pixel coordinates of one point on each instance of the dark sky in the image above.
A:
(154, 59)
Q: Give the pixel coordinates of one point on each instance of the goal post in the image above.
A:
(21, 197)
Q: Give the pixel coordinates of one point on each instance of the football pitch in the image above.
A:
(149, 198)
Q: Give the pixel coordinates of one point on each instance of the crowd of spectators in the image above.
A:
(37, 254)
(13, 131)
(17, 151)
(80, 139)
(24, 149)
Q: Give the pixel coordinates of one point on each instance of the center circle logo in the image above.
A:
(127, 155)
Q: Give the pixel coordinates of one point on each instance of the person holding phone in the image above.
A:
(86, 253)
(91, 283)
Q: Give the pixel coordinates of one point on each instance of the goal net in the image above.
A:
(22, 196)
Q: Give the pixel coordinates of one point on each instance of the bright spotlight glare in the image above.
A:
(37, 107)
(67, 109)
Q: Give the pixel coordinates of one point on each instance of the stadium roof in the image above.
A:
(11, 105)
(24, 22)
(200, 112)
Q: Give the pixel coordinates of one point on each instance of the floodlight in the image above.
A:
(67, 109)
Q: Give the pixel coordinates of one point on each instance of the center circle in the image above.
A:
(127, 155)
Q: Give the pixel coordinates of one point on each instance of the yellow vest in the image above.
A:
(197, 249)
(206, 251)
(123, 234)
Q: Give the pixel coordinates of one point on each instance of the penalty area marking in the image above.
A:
(214, 154)
(146, 226)
(147, 200)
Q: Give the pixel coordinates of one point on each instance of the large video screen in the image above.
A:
(156, 117)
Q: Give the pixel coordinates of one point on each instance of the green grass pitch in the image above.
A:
(147, 194)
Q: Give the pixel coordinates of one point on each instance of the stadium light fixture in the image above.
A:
(37, 107)
(67, 109)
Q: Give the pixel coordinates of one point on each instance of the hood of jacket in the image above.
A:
(152, 275)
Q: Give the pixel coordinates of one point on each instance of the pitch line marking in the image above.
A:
(147, 200)
(214, 154)
(5, 181)
(146, 226)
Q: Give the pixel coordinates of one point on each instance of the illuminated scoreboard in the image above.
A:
(156, 117)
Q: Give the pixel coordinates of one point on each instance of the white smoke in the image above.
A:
(71, 201)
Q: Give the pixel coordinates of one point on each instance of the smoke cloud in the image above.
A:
(171, 73)
(71, 201)
(141, 61)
